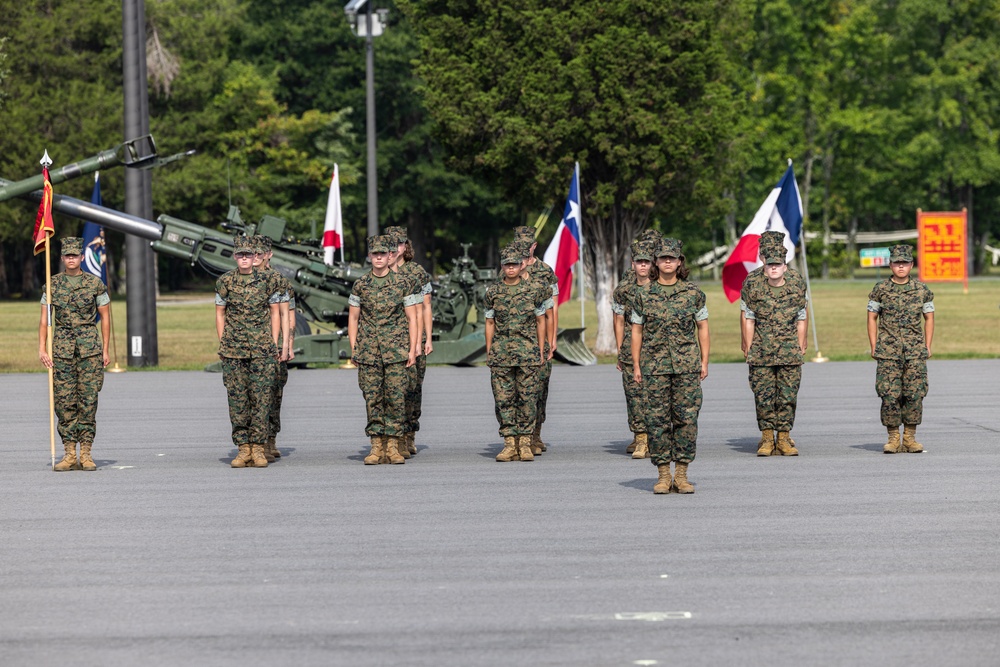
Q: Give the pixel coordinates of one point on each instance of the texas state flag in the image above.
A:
(564, 251)
(780, 212)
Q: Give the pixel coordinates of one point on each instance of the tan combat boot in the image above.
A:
(411, 444)
(785, 445)
(910, 443)
(392, 450)
(243, 459)
(892, 444)
(272, 449)
(631, 446)
(509, 451)
(266, 449)
(536, 440)
(524, 448)
(257, 454)
(377, 453)
(86, 462)
(681, 484)
(766, 445)
(664, 483)
(68, 461)
(641, 446)
(404, 451)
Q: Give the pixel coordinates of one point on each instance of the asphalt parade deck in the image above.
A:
(167, 556)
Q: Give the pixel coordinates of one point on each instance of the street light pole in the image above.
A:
(370, 122)
(370, 26)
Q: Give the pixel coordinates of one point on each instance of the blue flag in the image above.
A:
(94, 254)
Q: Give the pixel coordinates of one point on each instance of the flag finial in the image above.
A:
(46, 161)
(789, 162)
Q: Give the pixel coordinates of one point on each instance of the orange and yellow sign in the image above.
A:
(942, 249)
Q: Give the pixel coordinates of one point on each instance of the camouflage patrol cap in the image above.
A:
(381, 243)
(897, 253)
(670, 248)
(523, 233)
(242, 243)
(396, 233)
(261, 243)
(71, 245)
(512, 253)
(650, 236)
(772, 248)
(642, 250)
(524, 247)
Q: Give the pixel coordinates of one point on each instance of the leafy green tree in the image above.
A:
(636, 91)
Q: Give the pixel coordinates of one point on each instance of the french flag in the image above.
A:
(564, 251)
(333, 227)
(780, 212)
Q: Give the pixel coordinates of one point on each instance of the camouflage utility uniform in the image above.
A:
(248, 352)
(774, 357)
(383, 348)
(419, 277)
(541, 273)
(77, 354)
(901, 350)
(514, 356)
(670, 361)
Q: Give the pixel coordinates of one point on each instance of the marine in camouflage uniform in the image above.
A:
(775, 326)
(78, 355)
(382, 329)
(248, 322)
(670, 347)
(622, 306)
(262, 262)
(538, 270)
(415, 373)
(896, 308)
(515, 352)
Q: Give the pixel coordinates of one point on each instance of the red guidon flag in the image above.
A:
(43, 221)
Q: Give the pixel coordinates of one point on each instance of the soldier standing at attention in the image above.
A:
(539, 271)
(896, 307)
(262, 262)
(669, 330)
(775, 326)
(515, 351)
(425, 324)
(78, 355)
(622, 306)
(248, 323)
(382, 329)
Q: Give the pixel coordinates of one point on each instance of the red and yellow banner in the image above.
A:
(942, 248)
(43, 221)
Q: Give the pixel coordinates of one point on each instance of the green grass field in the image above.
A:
(966, 326)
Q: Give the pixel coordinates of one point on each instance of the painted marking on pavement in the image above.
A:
(120, 467)
(652, 616)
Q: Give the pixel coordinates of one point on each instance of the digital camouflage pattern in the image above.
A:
(249, 383)
(77, 361)
(755, 277)
(247, 299)
(75, 302)
(622, 305)
(775, 393)
(669, 314)
(415, 374)
(776, 312)
(672, 406)
(901, 310)
(383, 330)
(901, 349)
(383, 386)
(514, 310)
(516, 368)
(515, 392)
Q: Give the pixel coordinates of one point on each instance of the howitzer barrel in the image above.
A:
(134, 153)
(107, 217)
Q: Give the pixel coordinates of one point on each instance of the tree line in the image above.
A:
(682, 114)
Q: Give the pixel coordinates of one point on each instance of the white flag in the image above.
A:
(333, 228)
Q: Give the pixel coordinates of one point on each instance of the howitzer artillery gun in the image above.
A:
(322, 291)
